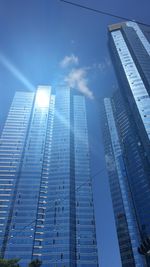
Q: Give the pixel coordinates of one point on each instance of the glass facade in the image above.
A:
(127, 139)
(46, 205)
(130, 50)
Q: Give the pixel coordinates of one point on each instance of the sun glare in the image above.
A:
(42, 98)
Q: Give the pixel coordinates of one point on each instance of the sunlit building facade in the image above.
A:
(127, 139)
(46, 202)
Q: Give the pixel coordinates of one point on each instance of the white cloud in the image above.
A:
(77, 79)
(69, 60)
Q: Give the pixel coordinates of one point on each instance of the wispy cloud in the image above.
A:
(102, 66)
(72, 42)
(77, 79)
(77, 76)
(69, 60)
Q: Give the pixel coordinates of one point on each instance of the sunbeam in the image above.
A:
(5, 62)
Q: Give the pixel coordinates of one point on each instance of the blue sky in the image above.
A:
(37, 36)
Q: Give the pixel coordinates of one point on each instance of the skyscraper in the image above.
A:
(127, 140)
(46, 203)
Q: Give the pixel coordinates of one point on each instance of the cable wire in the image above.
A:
(62, 199)
(104, 13)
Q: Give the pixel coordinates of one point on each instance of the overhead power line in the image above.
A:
(104, 13)
(9, 238)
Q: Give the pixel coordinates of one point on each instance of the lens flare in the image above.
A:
(15, 72)
(42, 98)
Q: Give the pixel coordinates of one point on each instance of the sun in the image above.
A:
(42, 98)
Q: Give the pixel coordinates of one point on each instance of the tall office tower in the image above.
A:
(127, 141)
(46, 203)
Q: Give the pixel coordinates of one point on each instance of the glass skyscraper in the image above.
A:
(46, 202)
(126, 128)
